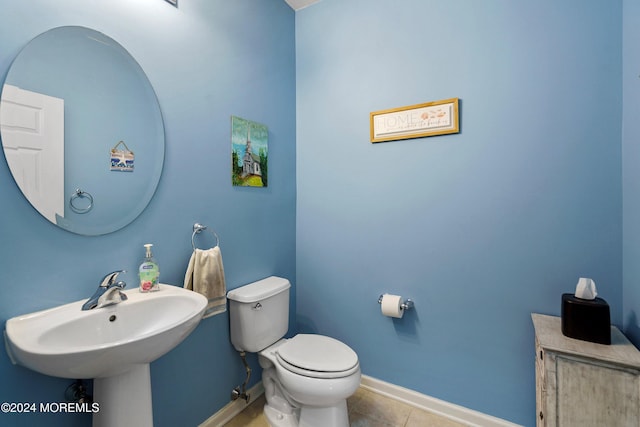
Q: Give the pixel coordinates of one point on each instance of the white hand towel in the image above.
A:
(205, 275)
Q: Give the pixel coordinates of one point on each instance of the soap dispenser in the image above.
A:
(149, 272)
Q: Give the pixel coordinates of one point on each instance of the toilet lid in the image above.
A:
(318, 353)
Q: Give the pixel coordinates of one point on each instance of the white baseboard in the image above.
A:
(431, 404)
(233, 408)
(417, 400)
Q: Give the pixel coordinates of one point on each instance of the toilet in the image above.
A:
(307, 378)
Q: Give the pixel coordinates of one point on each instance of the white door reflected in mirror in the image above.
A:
(32, 126)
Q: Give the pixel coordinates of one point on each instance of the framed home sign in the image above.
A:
(415, 121)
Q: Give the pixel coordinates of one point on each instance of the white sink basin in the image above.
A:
(67, 342)
(114, 345)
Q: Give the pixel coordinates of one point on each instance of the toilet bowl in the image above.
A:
(313, 375)
(307, 378)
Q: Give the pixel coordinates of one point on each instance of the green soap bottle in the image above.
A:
(149, 272)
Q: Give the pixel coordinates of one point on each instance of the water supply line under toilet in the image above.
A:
(241, 391)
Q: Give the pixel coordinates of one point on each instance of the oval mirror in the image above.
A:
(82, 130)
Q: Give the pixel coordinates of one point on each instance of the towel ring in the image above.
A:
(197, 228)
(80, 194)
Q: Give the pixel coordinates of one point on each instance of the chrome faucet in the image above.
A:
(108, 293)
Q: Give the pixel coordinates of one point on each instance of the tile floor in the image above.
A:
(366, 409)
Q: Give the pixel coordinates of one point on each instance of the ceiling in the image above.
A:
(300, 4)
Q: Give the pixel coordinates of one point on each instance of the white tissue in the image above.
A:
(586, 289)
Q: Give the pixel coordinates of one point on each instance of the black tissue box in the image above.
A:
(587, 320)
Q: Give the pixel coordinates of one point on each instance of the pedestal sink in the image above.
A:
(114, 345)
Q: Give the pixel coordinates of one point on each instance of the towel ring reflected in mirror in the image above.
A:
(75, 197)
(197, 229)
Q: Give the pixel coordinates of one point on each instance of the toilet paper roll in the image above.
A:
(391, 306)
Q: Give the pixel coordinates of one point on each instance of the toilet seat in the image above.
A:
(317, 356)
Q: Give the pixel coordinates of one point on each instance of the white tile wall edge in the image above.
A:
(417, 400)
(432, 404)
(233, 408)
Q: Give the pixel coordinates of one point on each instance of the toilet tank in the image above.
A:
(259, 313)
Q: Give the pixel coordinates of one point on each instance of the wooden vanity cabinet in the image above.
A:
(584, 384)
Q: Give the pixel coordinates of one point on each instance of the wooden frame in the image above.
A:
(415, 121)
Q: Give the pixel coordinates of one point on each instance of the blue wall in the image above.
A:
(207, 60)
(631, 169)
(480, 228)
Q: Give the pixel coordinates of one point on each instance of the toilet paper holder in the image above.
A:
(406, 305)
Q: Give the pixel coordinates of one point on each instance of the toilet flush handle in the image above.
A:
(258, 306)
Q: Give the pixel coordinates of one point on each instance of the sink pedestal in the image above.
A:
(125, 399)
